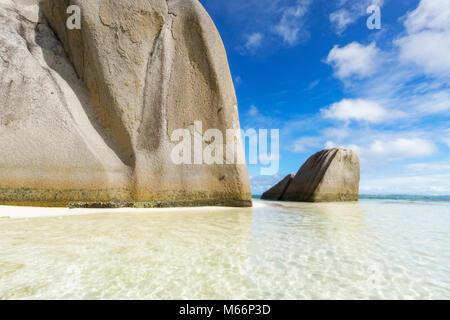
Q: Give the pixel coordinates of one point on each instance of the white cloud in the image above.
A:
(400, 148)
(375, 152)
(433, 102)
(238, 80)
(354, 60)
(357, 110)
(330, 145)
(256, 119)
(278, 21)
(427, 43)
(336, 133)
(350, 12)
(446, 137)
(378, 148)
(304, 144)
(429, 50)
(429, 15)
(430, 167)
(254, 41)
(312, 85)
(426, 184)
(446, 140)
(253, 111)
(290, 28)
(399, 82)
(341, 19)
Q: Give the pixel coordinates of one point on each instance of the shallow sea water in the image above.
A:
(374, 249)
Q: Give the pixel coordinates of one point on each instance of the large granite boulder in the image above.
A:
(329, 175)
(86, 115)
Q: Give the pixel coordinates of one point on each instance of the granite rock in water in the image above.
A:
(276, 192)
(329, 175)
(86, 115)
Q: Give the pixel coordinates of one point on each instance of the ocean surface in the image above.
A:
(380, 248)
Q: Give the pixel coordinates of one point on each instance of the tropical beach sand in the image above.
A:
(374, 249)
(13, 212)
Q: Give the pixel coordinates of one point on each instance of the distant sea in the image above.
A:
(394, 197)
(405, 197)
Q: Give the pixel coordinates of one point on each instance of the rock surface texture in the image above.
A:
(276, 192)
(86, 115)
(329, 175)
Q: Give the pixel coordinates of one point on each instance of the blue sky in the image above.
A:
(313, 69)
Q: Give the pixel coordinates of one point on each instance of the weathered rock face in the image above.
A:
(86, 115)
(329, 175)
(277, 191)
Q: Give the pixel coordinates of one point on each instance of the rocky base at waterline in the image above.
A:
(87, 115)
(329, 175)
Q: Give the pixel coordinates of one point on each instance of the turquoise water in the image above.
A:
(406, 197)
(374, 249)
(395, 197)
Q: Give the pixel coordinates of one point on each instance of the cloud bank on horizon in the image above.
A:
(314, 70)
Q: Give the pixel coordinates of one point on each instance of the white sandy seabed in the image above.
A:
(374, 249)
(15, 212)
